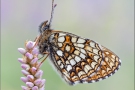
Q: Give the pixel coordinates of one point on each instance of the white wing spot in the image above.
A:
(100, 79)
(95, 51)
(67, 48)
(59, 62)
(77, 59)
(115, 71)
(93, 81)
(62, 34)
(69, 57)
(69, 67)
(83, 51)
(61, 39)
(82, 56)
(92, 44)
(106, 76)
(73, 39)
(87, 68)
(72, 62)
(59, 52)
(60, 44)
(80, 45)
(76, 52)
(80, 40)
(93, 64)
(81, 73)
(67, 62)
(96, 58)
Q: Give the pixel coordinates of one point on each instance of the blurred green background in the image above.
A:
(109, 22)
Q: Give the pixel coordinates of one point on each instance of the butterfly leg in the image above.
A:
(36, 40)
(47, 54)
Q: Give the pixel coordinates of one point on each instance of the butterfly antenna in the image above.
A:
(53, 6)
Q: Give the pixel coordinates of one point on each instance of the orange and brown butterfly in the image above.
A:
(77, 59)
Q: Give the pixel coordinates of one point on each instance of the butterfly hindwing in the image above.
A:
(110, 64)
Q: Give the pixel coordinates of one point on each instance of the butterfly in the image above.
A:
(77, 59)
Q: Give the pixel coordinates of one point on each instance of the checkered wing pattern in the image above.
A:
(81, 60)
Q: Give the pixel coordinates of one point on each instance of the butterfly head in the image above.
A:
(44, 26)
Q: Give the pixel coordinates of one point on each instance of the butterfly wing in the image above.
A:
(110, 64)
(77, 59)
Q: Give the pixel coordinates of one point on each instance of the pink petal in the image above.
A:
(35, 88)
(39, 74)
(25, 88)
(34, 61)
(37, 82)
(25, 66)
(30, 56)
(25, 72)
(35, 51)
(29, 45)
(21, 60)
(22, 50)
(43, 82)
(29, 84)
(30, 77)
(24, 79)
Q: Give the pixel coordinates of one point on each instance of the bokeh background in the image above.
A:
(109, 22)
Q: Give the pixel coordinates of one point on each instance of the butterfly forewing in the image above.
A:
(80, 60)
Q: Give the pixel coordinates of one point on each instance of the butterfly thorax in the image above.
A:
(45, 32)
(43, 41)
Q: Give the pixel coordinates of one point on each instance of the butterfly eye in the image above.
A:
(44, 26)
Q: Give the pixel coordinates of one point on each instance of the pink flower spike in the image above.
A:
(34, 61)
(37, 82)
(30, 45)
(30, 56)
(22, 50)
(30, 77)
(24, 79)
(25, 72)
(29, 84)
(25, 88)
(30, 65)
(39, 74)
(35, 51)
(21, 60)
(25, 66)
(35, 88)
